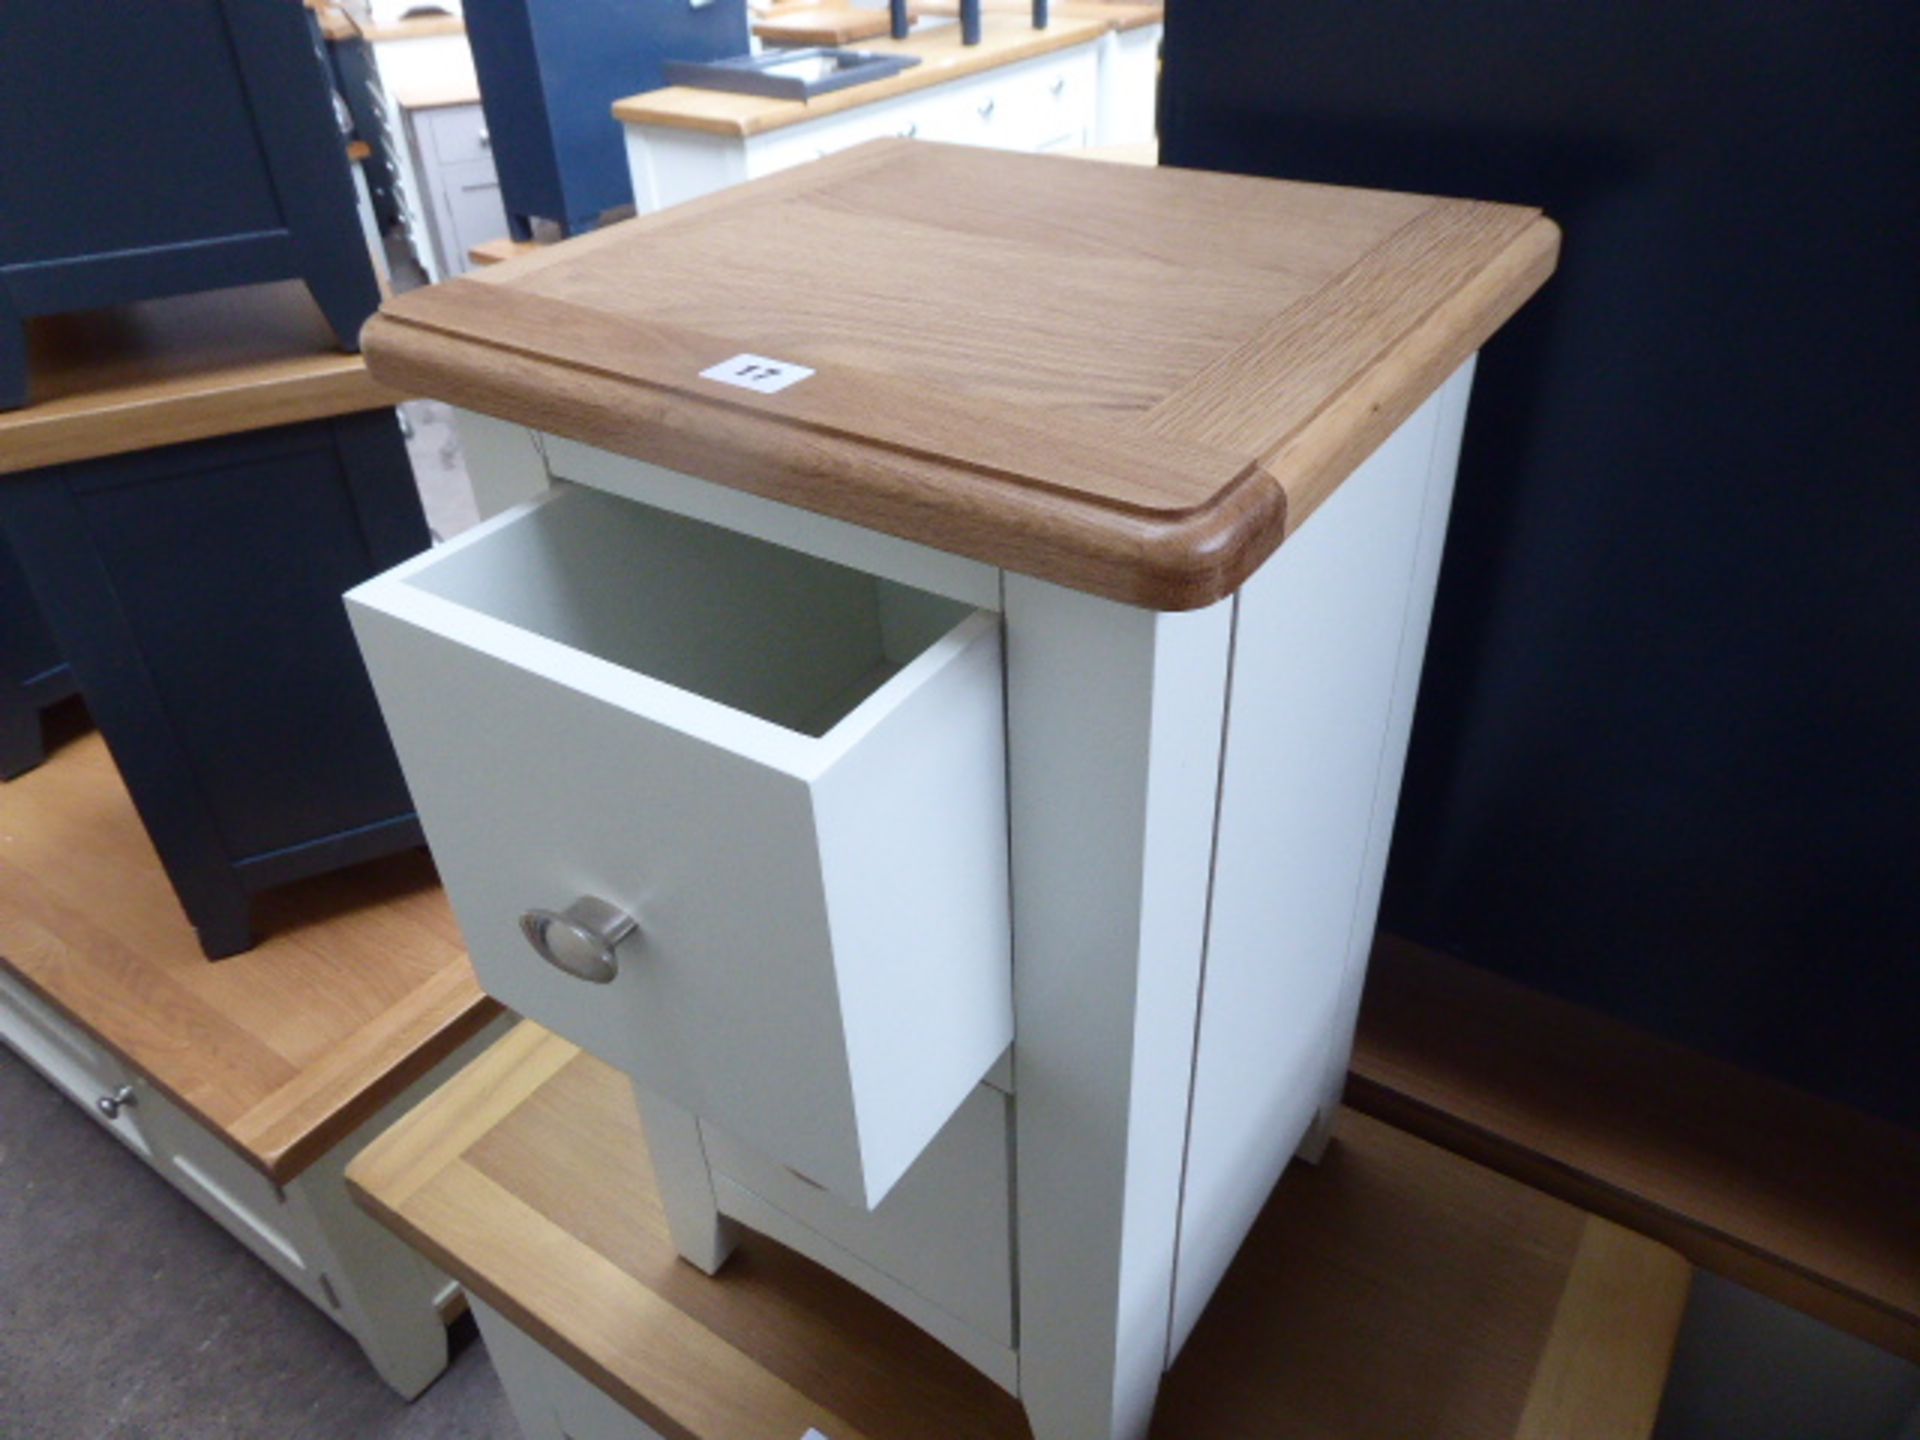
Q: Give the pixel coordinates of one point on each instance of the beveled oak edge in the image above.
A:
(1171, 510)
(1170, 561)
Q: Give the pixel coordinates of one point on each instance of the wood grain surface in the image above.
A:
(495, 252)
(1799, 1199)
(107, 382)
(1004, 40)
(360, 985)
(1131, 381)
(1394, 1291)
(823, 24)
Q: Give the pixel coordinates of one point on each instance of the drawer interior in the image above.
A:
(788, 638)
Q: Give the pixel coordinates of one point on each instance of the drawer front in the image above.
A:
(1040, 105)
(908, 118)
(242, 1200)
(595, 698)
(945, 1232)
(457, 134)
(72, 1062)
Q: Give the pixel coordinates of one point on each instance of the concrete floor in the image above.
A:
(126, 1313)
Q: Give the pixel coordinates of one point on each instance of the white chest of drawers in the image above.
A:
(1121, 765)
(1082, 83)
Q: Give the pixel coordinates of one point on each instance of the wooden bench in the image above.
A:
(1395, 1290)
(1805, 1201)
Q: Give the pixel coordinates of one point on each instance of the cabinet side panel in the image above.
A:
(1316, 660)
(1114, 733)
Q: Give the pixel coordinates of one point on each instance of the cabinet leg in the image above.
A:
(1313, 1145)
(222, 917)
(703, 1236)
(1111, 841)
(13, 354)
(22, 739)
(386, 1289)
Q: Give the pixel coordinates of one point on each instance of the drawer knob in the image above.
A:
(111, 1105)
(1059, 87)
(986, 110)
(580, 939)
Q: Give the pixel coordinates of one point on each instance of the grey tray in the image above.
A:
(788, 74)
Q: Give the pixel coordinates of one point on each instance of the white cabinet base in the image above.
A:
(1199, 808)
(308, 1232)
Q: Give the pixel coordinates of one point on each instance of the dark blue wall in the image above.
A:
(1667, 760)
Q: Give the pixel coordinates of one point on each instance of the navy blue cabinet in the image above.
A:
(33, 674)
(195, 591)
(550, 71)
(154, 147)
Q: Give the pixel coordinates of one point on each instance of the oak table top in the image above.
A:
(108, 382)
(360, 986)
(1395, 1290)
(1135, 382)
(1004, 40)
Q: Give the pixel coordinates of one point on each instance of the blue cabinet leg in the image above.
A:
(13, 354)
(23, 743)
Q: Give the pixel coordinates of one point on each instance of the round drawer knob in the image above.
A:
(580, 939)
(111, 1105)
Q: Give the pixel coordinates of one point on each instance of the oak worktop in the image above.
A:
(1395, 1290)
(1005, 40)
(109, 382)
(1134, 382)
(361, 986)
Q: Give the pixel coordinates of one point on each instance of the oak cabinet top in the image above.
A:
(1133, 382)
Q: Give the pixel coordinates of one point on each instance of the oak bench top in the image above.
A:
(1135, 382)
(360, 986)
(1798, 1198)
(1395, 1290)
(189, 367)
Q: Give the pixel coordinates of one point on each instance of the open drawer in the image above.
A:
(787, 773)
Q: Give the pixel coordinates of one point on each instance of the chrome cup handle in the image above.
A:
(580, 939)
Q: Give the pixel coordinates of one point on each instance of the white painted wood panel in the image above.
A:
(702, 1235)
(1046, 103)
(1315, 665)
(503, 460)
(920, 566)
(590, 697)
(1129, 86)
(1451, 401)
(1115, 719)
(69, 1060)
(945, 1231)
(986, 1355)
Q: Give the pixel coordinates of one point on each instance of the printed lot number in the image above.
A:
(757, 373)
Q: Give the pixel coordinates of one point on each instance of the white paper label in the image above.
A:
(757, 372)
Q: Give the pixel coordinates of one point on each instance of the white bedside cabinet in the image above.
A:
(938, 726)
